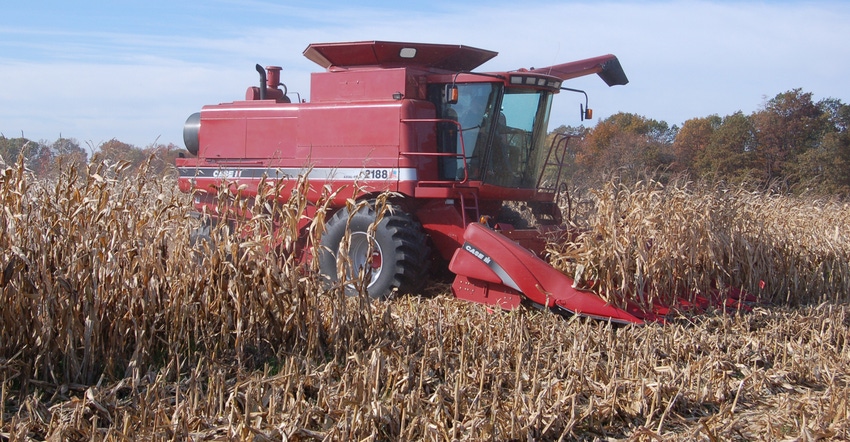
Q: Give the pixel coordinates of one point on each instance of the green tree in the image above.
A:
(825, 167)
(37, 155)
(730, 153)
(11, 148)
(789, 125)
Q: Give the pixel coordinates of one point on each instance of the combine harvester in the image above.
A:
(451, 144)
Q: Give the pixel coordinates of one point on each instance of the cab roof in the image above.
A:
(455, 58)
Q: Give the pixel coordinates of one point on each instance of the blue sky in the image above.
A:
(134, 71)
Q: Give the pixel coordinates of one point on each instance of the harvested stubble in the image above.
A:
(114, 329)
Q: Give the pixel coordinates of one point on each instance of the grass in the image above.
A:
(114, 328)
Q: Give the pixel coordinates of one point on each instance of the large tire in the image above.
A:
(399, 254)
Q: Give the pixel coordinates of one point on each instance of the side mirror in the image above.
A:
(450, 94)
(585, 110)
(586, 114)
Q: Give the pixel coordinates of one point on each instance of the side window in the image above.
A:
(468, 138)
(447, 133)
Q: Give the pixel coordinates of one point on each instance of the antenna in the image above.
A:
(555, 60)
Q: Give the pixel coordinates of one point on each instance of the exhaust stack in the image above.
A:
(263, 82)
(269, 88)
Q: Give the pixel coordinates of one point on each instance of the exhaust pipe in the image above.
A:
(269, 86)
(262, 73)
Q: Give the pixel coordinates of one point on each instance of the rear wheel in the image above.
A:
(392, 257)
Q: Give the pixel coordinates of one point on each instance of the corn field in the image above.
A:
(116, 325)
(659, 242)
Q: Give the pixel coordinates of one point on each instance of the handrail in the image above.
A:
(559, 146)
(460, 155)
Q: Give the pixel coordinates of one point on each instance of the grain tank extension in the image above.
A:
(451, 143)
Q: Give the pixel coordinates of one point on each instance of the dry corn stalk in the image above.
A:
(113, 329)
(654, 242)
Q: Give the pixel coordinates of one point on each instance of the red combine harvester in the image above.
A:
(414, 119)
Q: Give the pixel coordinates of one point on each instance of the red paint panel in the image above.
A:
(350, 135)
(486, 293)
(222, 138)
(443, 224)
(359, 85)
(270, 137)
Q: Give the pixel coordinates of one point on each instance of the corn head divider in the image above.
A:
(449, 144)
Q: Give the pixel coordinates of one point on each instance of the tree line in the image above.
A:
(791, 142)
(47, 159)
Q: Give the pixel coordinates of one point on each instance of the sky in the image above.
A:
(134, 71)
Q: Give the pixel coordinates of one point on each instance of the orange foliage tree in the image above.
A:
(626, 144)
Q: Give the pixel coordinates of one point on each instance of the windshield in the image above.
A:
(502, 148)
(517, 154)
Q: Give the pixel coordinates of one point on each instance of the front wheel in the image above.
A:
(393, 256)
